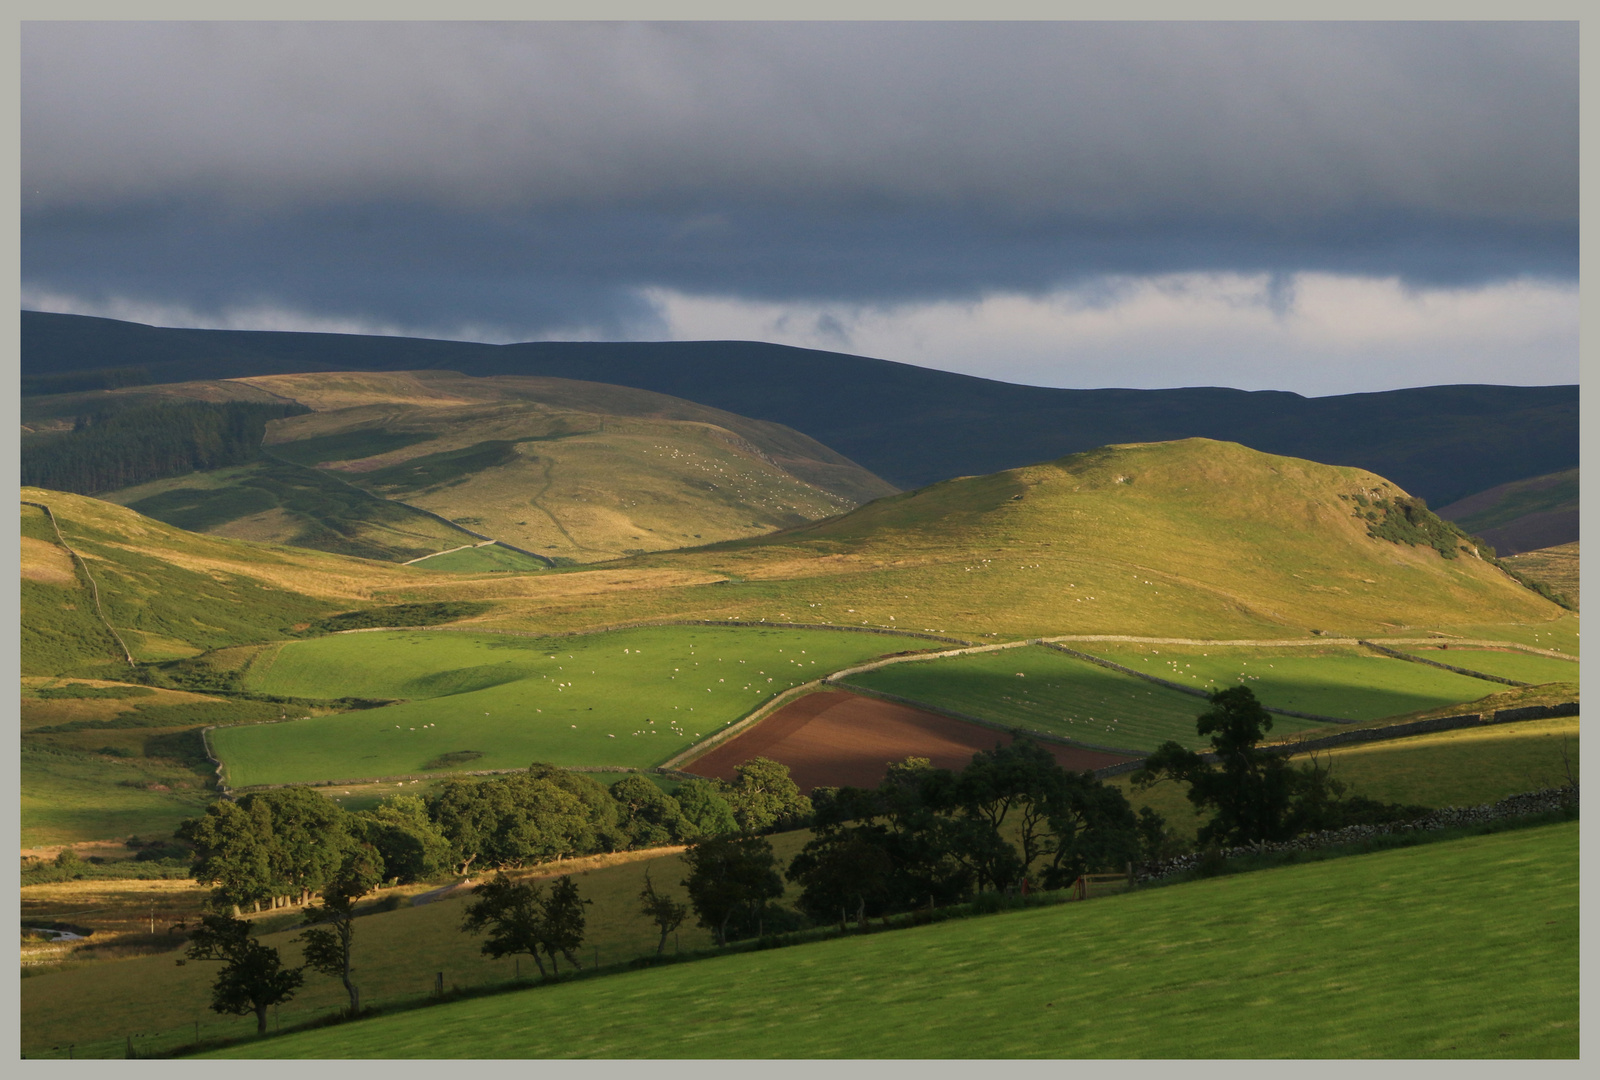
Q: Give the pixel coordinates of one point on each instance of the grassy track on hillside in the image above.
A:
(1350, 683)
(475, 560)
(1055, 693)
(1508, 664)
(1462, 949)
(569, 701)
(1468, 767)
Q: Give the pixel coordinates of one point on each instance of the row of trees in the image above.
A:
(1011, 819)
(117, 449)
(278, 847)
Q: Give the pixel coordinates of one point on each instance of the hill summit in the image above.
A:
(1196, 538)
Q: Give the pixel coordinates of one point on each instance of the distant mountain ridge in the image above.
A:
(910, 425)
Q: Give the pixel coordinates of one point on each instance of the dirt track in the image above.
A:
(839, 738)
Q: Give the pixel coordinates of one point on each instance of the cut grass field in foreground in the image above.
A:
(1460, 949)
(629, 698)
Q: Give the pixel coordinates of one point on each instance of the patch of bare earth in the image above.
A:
(837, 738)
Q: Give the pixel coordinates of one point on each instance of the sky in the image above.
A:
(1317, 207)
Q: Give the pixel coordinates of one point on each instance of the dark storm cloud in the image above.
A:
(532, 177)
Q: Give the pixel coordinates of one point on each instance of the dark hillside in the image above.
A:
(910, 425)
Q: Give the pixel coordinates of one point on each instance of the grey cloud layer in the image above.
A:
(1119, 121)
(533, 178)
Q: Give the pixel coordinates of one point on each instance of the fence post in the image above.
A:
(438, 984)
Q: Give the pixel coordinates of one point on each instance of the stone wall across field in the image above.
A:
(1450, 817)
(1392, 731)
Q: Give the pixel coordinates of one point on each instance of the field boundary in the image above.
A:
(749, 720)
(1398, 655)
(1393, 731)
(1192, 691)
(94, 589)
(670, 622)
(1303, 642)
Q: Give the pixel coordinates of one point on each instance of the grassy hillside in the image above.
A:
(631, 698)
(282, 503)
(1555, 566)
(1524, 515)
(171, 593)
(582, 471)
(1188, 539)
(1404, 942)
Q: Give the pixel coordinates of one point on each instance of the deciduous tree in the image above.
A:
(729, 876)
(253, 978)
(662, 910)
(331, 932)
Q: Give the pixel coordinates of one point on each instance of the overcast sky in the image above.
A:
(1323, 208)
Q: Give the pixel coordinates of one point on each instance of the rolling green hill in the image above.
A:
(1195, 539)
(170, 593)
(580, 472)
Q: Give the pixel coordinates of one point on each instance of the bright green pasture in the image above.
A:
(1462, 949)
(1349, 683)
(1467, 767)
(1506, 663)
(476, 560)
(630, 698)
(1053, 693)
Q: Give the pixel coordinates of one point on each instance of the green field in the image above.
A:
(1467, 767)
(1462, 949)
(1506, 663)
(1349, 683)
(1040, 689)
(100, 762)
(475, 560)
(630, 698)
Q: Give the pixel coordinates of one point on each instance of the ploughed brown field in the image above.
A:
(837, 738)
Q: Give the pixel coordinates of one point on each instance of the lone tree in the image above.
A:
(662, 910)
(730, 876)
(331, 931)
(1248, 790)
(253, 977)
(519, 918)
